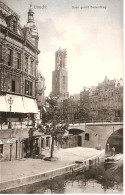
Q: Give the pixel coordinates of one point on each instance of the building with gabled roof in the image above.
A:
(18, 65)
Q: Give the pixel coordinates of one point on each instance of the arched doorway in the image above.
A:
(87, 136)
(115, 140)
(74, 131)
(75, 137)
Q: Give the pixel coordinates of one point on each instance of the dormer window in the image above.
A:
(14, 24)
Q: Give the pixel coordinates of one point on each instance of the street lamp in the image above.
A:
(10, 101)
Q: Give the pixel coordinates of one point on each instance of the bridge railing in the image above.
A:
(97, 123)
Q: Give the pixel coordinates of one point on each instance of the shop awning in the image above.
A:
(17, 105)
(30, 105)
(3, 104)
(20, 104)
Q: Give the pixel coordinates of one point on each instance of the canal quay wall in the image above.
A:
(69, 169)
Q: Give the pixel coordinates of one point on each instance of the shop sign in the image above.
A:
(7, 140)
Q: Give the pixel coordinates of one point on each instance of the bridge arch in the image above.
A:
(115, 140)
(108, 132)
(99, 133)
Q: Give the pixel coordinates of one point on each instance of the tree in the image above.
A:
(53, 123)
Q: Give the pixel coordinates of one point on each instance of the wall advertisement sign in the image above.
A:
(7, 140)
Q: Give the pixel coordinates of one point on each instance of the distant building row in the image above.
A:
(97, 104)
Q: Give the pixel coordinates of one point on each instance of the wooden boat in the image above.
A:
(118, 158)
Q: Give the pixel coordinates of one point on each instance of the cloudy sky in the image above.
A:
(92, 36)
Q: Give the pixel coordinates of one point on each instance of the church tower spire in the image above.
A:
(60, 75)
(30, 22)
(30, 30)
(30, 15)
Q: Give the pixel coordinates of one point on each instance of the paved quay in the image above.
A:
(24, 172)
(17, 169)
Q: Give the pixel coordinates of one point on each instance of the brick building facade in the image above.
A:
(19, 85)
(18, 64)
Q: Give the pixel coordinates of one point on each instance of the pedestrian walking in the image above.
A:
(113, 151)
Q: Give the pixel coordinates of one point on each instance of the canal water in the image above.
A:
(96, 180)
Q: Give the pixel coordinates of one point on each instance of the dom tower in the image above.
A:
(60, 75)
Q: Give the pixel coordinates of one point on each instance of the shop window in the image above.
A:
(1, 148)
(87, 136)
(10, 55)
(13, 86)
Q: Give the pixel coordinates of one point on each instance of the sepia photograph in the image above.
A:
(61, 96)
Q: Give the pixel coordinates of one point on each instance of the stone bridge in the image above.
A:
(94, 134)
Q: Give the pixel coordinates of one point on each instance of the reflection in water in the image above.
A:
(95, 180)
